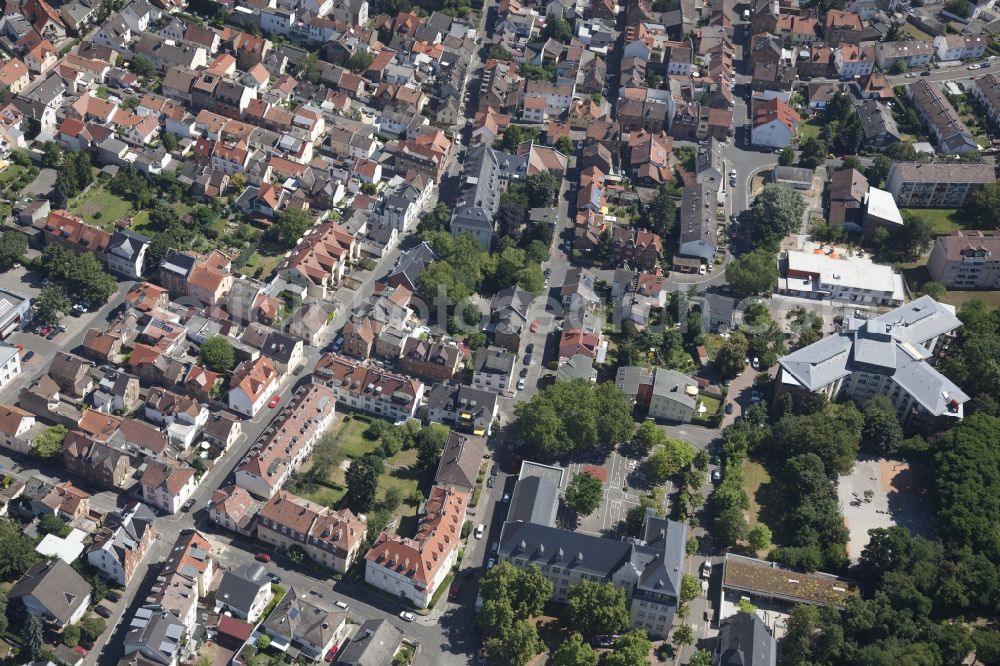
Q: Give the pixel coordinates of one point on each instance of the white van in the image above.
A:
(479, 531)
(341, 605)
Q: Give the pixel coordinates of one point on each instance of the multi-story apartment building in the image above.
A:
(960, 47)
(122, 543)
(986, 89)
(850, 279)
(941, 118)
(913, 52)
(167, 486)
(966, 260)
(414, 568)
(494, 369)
(287, 441)
(888, 355)
(252, 385)
(919, 185)
(432, 361)
(331, 538)
(370, 389)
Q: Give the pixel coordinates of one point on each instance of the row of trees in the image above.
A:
(82, 275)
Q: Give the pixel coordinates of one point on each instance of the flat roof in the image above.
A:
(747, 574)
(883, 206)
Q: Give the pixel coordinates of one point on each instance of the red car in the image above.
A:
(534, 326)
(331, 654)
(262, 557)
(79, 649)
(44, 331)
(274, 401)
(453, 591)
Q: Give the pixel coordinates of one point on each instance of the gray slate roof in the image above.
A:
(56, 586)
(240, 586)
(374, 644)
(745, 641)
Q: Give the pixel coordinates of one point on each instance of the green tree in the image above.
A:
(564, 145)
(982, 207)
(753, 273)
(597, 608)
(218, 354)
(787, 156)
(17, 550)
(700, 658)
(32, 642)
(362, 481)
(525, 590)
(666, 461)
(833, 434)
(430, 443)
(142, 66)
(169, 141)
(541, 189)
(289, 225)
(557, 29)
(92, 626)
(812, 153)
(730, 527)
(583, 494)
(50, 305)
(49, 442)
(496, 616)
(360, 61)
(51, 154)
(53, 524)
(683, 635)
(516, 135)
(438, 219)
(71, 635)
(881, 429)
(660, 216)
(690, 588)
(777, 212)
(518, 645)
(647, 436)
(263, 642)
(575, 652)
(730, 358)
(878, 171)
(13, 246)
(631, 649)
(759, 537)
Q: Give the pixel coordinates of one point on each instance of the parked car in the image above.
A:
(524, 372)
(530, 348)
(454, 590)
(706, 569)
(520, 384)
(480, 528)
(407, 615)
(27, 357)
(527, 359)
(716, 475)
(506, 498)
(491, 564)
(534, 326)
(331, 655)
(274, 401)
(263, 557)
(103, 611)
(490, 482)
(298, 370)
(729, 408)
(187, 505)
(494, 470)
(113, 596)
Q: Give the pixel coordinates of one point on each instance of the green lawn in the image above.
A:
(99, 207)
(262, 265)
(351, 438)
(943, 220)
(140, 222)
(713, 343)
(711, 407)
(956, 298)
(917, 33)
(11, 173)
(756, 476)
(810, 129)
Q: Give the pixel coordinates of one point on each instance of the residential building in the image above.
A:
(912, 52)
(244, 592)
(666, 394)
(320, 259)
(71, 373)
(963, 260)
(877, 123)
(432, 361)
(330, 538)
(461, 460)
(107, 465)
(636, 248)
(494, 369)
(576, 341)
(853, 280)
(53, 591)
(287, 441)
(370, 389)
(413, 568)
(62, 499)
(960, 47)
(886, 355)
(775, 124)
(297, 623)
(699, 224)
(232, 507)
(156, 636)
(252, 385)
(126, 253)
(920, 185)
(122, 543)
(467, 409)
(15, 309)
(375, 642)
(16, 429)
(190, 558)
(167, 486)
(942, 120)
(509, 311)
(986, 89)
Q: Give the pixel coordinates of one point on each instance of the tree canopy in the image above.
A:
(753, 273)
(575, 652)
(362, 481)
(218, 354)
(289, 225)
(583, 493)
(597, 608)
(51, 305)
(13, 246)
(82, 275)
(777, 212)
(511, 596)
(575, 417)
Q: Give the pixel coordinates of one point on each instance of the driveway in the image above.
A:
(41, 186)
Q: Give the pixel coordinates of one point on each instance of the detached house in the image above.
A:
(252, 385)
(775, 124)
(53, 591)
(122, 543)
(167, 486)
